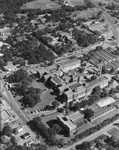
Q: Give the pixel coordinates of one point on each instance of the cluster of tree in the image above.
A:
(11, 5)
(116, 52)
(114, 90)
(49, 134)
(83, 146)
(32, 147)
(111, 6)
(8, 131)
(19, 76)
(112, 143)
(84, 39)
(59, 49)
(31, 97)
(28, 50)
(22, 80)
(95, 128)
(58, 14)
(2, 64)
(88, 113)
(97, 16)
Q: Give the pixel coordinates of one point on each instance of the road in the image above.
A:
(93, 136)
(108, 19)
(6, 94)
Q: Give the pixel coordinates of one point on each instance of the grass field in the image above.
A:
(42, 4)
(85, 13)
(77, 2)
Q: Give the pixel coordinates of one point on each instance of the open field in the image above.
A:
(77, 2)
(85, 13)
(42, 4)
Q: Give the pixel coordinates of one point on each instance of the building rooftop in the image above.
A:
(105, 102)
(56, 79)
(66, 120)
(81, 88)
(73, 85)
(5, 116)
(75, 116)
(68, 92)
(96, 81)
(66, 62)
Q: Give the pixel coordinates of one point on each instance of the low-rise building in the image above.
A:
(105, 102)
(101, 82)
(70, 95)
(56, 81)
(70, 64)
(102, 112)
(69, 122)
(76, 91)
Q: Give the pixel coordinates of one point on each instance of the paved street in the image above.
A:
(93, 136)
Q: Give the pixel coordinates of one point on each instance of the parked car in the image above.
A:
(25, 135)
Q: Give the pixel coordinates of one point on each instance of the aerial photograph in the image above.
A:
(59, 74)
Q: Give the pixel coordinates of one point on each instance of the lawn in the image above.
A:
(46, 99)
(77, 2)
(42, 4)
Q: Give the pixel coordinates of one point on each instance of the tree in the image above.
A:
(56, 128)
(83, 146)
(104, 93)
(96, 90)
(117, 87)
(31, 97)
(112, 91)
(19, 76)
(76, 106)
(93, 78)
(7, 130)
(55, 104)
(14, 140)
(88, 113)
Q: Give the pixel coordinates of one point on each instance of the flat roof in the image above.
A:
(73, 85)
(69, 61)
(96, 81)
(5, 115)
(75, 116)
(114, 132)
(66, 120)
(68, 92)
(105, 102)
(56, 79)
(81, 88)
